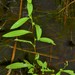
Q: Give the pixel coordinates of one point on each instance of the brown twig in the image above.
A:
(15, 44)
(67, 6)
(49, 56)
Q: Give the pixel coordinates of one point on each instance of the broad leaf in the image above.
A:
(38, 31)
(16, 33)
(36, 56)
(29, 1)
(29, 8)
(19, 23)
(59, 73)
(26, 41)
(69, 71)
(40, 63)
(16, 65)
(47, 40)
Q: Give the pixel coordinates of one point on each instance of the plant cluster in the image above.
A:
(38, 64)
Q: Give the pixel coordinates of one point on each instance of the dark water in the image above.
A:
(45, 14)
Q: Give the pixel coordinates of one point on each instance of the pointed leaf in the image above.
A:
(59, 73)
(44, 65)
(26, 41)
(16, 33)
(29, 8)
(40, 63)
(26, 62)
(16, 65)
(69, 71)
(38, 31)
(47, 40)
(19, 23)
(31, 70)
(29, 1)
(36, 56)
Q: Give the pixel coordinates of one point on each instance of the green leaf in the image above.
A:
(29, 65)
(26, 62)
(29, 8)
(26, 41)
(38, 31)
(44, 65)
(29, 1)
(40, 63)
(31, 70)
(35, 74)
(69, 71)
(47, 40)
(59, 73)
(16, 33)
(19, 23)
(16, 65)
(36, 56)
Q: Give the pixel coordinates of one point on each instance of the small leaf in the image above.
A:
(59, 73)
(16, 65)
(38, 31)
(31, 70)
(68, 71)
(16, 33)
(26, 41)
(44, 65)
(19, 23)
(29, 1)
(26, 62)
(36, 56)
(29, 8)
(40, 63)
(47, 40)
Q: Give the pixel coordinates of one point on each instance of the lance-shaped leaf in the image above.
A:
(16, 65)
(47, 40)
(26, 41)
(40, 63)
(31, 70)
(69, 71)
(38, 32)
(29, 1)
(19, 23)
(29, 8)
(44, 65)
(16, 33)
(37, 56)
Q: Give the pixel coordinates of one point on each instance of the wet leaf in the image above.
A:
(26, 41)
(16, 33)
(31, 70)
(19, 23)
(40, 63)
(29, 8)
(36, 56)
(69, 71)
(59, 73)
(38, 31)
(47, 40)
(16, 65)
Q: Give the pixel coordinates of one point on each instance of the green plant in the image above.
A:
(32, 68)
(38, 64)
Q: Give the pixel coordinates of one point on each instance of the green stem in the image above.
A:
(33, 32)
